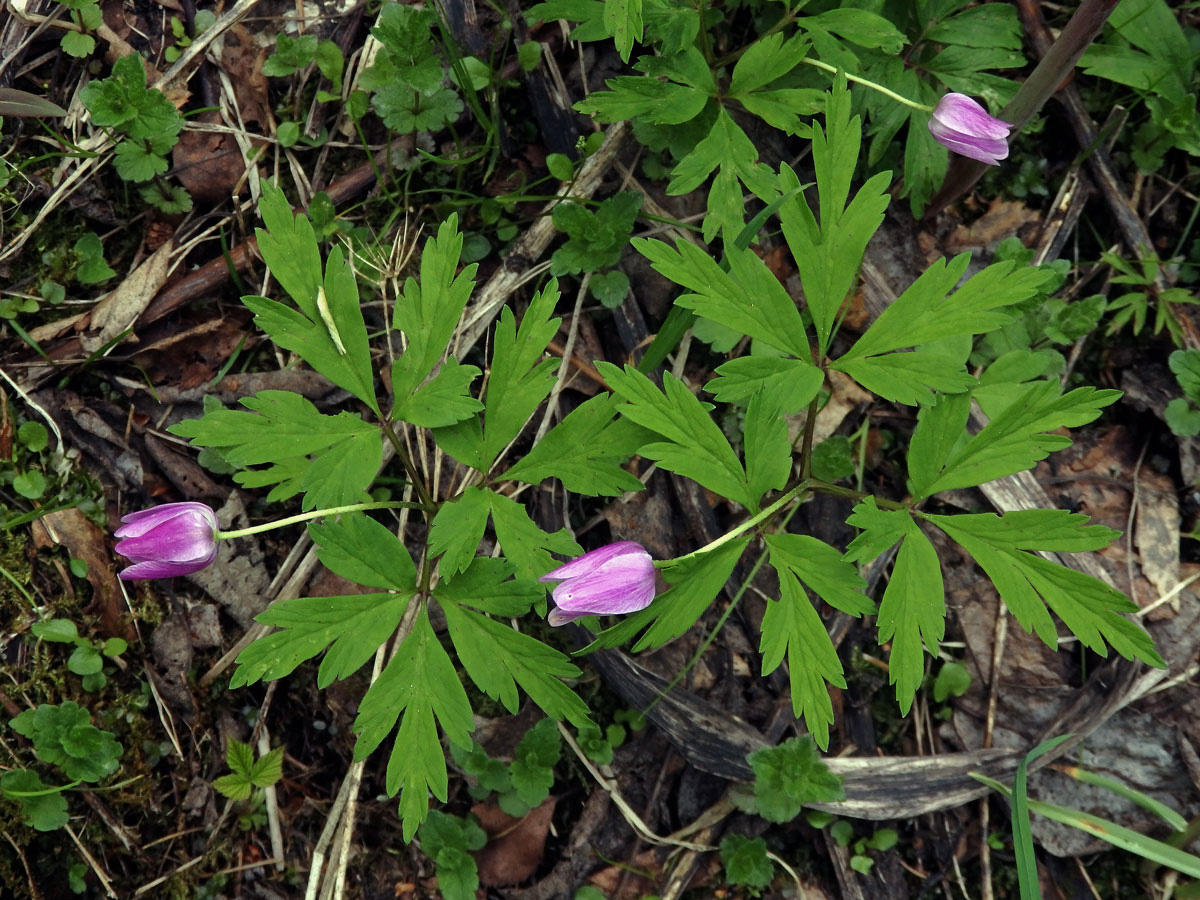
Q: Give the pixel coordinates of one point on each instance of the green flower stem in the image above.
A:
(1056, 66)
(743, 528)
(315, 514)
(871, 84)
(414, 476)
(836, 490)
(53, 789)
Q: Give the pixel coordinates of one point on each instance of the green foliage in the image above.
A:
(87, 16)
(595, 241)
(746, 862)
(599, 745)
(331, 460)
(87, 659)
(953, 680)
(326, 328)
(1133, 308)
(790, 775)
(448, 841)
(248, 773)
(92, 267)
(146, 119)
(1183, 413)
(1149, 51)
(43, 807)
(406, 78)
(427, 315)
(792, 627)
(64, 736)
(525, 782)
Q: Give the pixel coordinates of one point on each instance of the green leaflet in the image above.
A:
(333, 459)
(1015, 438)
(427, 313)
(693, 445)
(332, 340)
(519, 380)
(585, 451)
(418, 686)
(791, 626)
(748, 298)
(1030, 584)
(459, 525)
(912, 613)
(828, 254)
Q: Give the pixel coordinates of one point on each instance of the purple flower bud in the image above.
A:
(962, 125)
(172, 539)
(619, 578)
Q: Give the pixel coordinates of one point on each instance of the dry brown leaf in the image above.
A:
(120, 308)
(83, 540)
(208, 163)
(1004, 218)
(515, 846)
(1156, 530)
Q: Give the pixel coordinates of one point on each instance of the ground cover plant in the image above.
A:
(486, 412)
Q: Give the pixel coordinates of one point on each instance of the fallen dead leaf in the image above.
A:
(1156, 530)
(1004, 218)
(119, 309)
(242, 60)
(515, 846)
(209, 164)
(84, 540)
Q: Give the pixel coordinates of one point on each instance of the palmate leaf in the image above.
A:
(519, 380)
(460, 523)
(623, 22)
(748, 298)
(928, 312)
(828, 254)
(727, 149)
(427, 313)
(792, 382)
(1014, 440)
(352, 628)
(1029, 583)
(419, 684)
(768, 450)
(585, 451)
(361, 550)
(327, 329)
(498, 658)
(913, 609)
(457, 529)
(694, 446)
(284, 427)
(792, 627)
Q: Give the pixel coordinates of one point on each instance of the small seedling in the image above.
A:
(64, 737)
(746, 862)
(448, 841)
(248, 773)
(87, 659)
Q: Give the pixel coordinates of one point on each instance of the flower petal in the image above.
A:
(592, 560)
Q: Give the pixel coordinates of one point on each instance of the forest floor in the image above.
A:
(121, 319)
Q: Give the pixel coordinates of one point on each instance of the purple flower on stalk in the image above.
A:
(962, 125)
(172, 539)
(619, 578)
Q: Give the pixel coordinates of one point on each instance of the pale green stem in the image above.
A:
(315, 514)
(871, 84)
(741, 529)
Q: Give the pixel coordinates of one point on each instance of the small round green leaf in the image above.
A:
(34, 436)
(31, 484)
